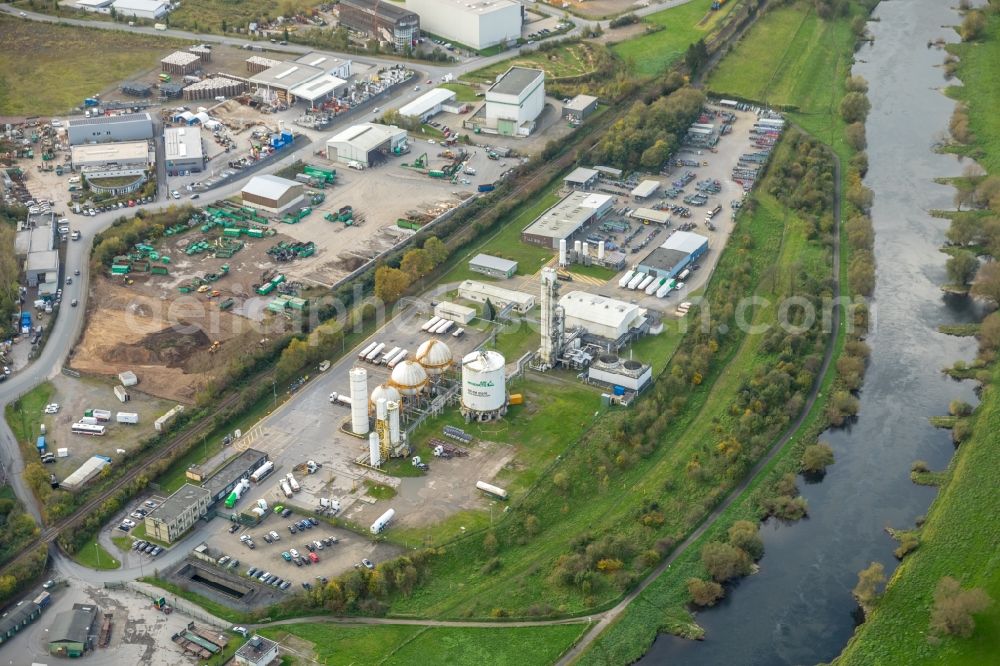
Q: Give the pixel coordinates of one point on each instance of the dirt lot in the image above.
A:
(600, 8)
(76, 395)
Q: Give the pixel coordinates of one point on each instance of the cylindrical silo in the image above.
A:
(374, 455)
(359, 401)
(562, 252)
(484, 389)
(600, 250)
(393, 409)
(585, 250)
(578, 248)
(381, 409)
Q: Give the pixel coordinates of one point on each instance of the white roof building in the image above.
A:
(477, 24)
(428, 104)
(123, 153)
(366, 143)
(581, 177)
(182, 149)
(599, 315)
(646, 189)
(333, 66)
(147, 9)
(84, 473)
(480, 292)
(566, 218)
(272, 193)
(518, 97)
(320, 89)
(100, 6)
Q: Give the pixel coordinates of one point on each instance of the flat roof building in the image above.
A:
(427, 105)
(367, 143)
(84, 473)
(651, 215)
(99, 6)
(516, 100)
(645, 189)
(480, 292)
(383, 20)
(122, 154)
(599, 315)
(144, 9)
(320, 89)
(41, 267)
(566, 218)
(579, 107)
(182, 150)
(681, 249)
(581, 178)
(277, 82)
(478, 24)
(18, 617)
(258, 651)
(493, 266)
(175, 516)
(610, 370)
(337, 67)
(102, 129)
(241, 467)
(71, 631)
(272, 194)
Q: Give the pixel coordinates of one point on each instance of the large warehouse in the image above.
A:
(144, 9)
(600, 316)
(477, 24)
(122, 154)
(272, 194)
(480, 292)
(367, 143)
(342, 69)
(427, 105)
(175, 516)
(276, 83)
(566, 217)
(383, 20)
(182, 150)
(101, 129)
(676, 253)
(516, 100)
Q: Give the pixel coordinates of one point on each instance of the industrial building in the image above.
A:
(276, 83)
(20, 616)
(272, 194)
(515, 101)
(581, 178)
(600, 316)
(579, 108)
(84, 473)
(258, 651)
(385, 21)
(143, 9)
(338, 67)
(454, 312)
(677, 252)
(427, 105)
(102, 129)
(480, 292)
(493, 266)
(71, 631)
(651, 215)
(367, 143)
(241, 467)
(478, 24)
(98, 6)
(121, 154)
(175, 516)
(612, 371)
(484, 386)
(183, 150)
(645, 189)
(180, 63)
(565, 218)
(37, 244)
(320, 89)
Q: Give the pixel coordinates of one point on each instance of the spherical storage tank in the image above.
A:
(390, 393)
(409, 377)
(484, 390)
(434, 356)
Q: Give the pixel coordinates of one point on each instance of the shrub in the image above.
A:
(724, 561)
(959, 408)
(816, 458)
(919, 467)
(867, 591)
(908, 542)
(854, 107)
(954, 608)
(704, 593)
(745, 535)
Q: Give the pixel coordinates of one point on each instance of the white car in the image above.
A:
(175, 194)
(130, 523)
(680, 285)
(294, 553)
(52, 408)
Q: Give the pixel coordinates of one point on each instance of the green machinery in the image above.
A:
(317, 198)
(420, 163)
(268, 287)
(345, 215)
(328, 176)
(295, 218)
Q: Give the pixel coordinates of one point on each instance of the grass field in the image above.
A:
(49, 69)
(209, 15)
(463, 92)
(958, 539)
(566, 60)
(93, 555)
(682, 26)
(980, 75)
(398, 644)
(24, 415)
(123, 544)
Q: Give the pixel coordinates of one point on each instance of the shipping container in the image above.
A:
(131, 418)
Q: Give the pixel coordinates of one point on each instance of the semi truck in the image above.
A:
(286, 488)
(293, 483)
(262, 471)
(373, 354)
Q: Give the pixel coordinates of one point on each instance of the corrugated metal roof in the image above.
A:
(646, 188)
(684, 241)
(494, 263)
(269, 187)
(516, 81)
(598, 309)
(426, 102)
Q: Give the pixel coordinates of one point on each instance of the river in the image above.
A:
(798, 609)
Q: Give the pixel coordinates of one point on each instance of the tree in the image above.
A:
(656, 155)
(745, 535)
(855, 133)
(816, 458)
(489, 311)
(436, 250)
(988, 192)
(866, 592)
(859, 26)
(724, 561)
(972, 26)
(696, 56)
(224, 26)
(856, 83)
(987, 284)
(962, 267)
(854, 107)
(284, 34)
(416, 263)
(704, 593)
(390, 283)
(954, 608)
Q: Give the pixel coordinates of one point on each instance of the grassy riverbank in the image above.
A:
(979, 71)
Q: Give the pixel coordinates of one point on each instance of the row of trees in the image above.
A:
(725, 561)
(391, 283)
(360, 591)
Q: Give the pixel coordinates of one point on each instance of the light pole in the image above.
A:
(97, 553)
(274, 392)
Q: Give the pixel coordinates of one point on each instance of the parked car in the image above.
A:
(235, 527)
(285, 513)
(293, 529)
(242, 631)
(294, 553)
(252, 571)
(367, 563)
(314, 521)
(285, 585)
(286, 556)
(156, 551)
(314, 557)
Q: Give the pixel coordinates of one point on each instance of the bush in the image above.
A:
(972, 26)
(816, 458)
(787, 508)
(954, 608)
(745, 535)
(919, 467)
(855, 133)
(908, 542)
(854, 107)
(959, 408)
(704, 593)
(724, 561)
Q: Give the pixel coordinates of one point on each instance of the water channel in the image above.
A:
(798, 609)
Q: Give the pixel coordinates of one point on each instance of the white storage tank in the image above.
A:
(434, 356)
(374, 453)
(383, 521)
(390, 393)
(562, 253)
(409, 377)
(484, 388)
(359, 393)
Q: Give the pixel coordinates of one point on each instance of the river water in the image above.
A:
(799, 609)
